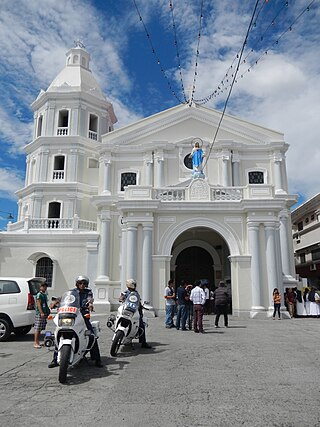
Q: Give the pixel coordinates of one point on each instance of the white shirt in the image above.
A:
(198, 296)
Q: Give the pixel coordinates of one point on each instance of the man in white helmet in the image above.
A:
(86, 304)
(131, 286)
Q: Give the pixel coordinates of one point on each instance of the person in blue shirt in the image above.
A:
(86, 304)
(131, 287)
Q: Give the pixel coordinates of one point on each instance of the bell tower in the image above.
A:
(63, 160)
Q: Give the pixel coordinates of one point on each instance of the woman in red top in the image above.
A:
(276, 297)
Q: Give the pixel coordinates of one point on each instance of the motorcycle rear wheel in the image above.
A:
(116, 343)
(64, 362)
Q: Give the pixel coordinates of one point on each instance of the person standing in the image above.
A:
(42, 313)
(181, 300)
(169, 295)
(207, 294)
(198, 298)
(189, 307)
(221, 299)
(290, 302)
(276, 298)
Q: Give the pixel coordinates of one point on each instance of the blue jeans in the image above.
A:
(169, 314)
(181, 316)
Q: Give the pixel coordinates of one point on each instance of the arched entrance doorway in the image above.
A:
(194, 263)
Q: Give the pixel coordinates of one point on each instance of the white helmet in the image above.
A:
(131, 284)
(82, 279)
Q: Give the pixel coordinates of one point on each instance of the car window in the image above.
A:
(34, 286)
(9, 287)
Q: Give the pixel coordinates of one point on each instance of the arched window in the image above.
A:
(63, 122)
(128, 178)
(58, 167)
(54, 213)
(256, 177)
(39, 128)
(54, 210)
(44, 268)
(93, 127)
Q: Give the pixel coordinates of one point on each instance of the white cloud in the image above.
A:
(11, 181)
(282, 92)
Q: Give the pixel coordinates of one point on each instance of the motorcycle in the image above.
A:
(125, 325)
(72, 338)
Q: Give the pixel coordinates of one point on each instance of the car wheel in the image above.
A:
(5, 330)
(23, 330)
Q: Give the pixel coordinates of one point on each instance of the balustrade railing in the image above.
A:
(62, 131)
(58, 175)
(93, 135)
(73, 224)
(170, 194)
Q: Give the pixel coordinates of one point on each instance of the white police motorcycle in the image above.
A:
(126, 324)
(72, 339)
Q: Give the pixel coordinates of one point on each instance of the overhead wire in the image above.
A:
(219, 90)
(232, 84)
(177, 51)
(155, 54)
(197, 57)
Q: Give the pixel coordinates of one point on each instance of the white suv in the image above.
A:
(17, 304)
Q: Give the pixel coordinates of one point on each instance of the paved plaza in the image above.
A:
(255, 373)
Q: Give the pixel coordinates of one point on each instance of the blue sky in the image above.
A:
(281, 91)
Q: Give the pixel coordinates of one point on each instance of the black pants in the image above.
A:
(221, 309)
(142, 337)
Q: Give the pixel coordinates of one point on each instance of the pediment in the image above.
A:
(183, 122)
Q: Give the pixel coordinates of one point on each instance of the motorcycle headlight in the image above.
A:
(127, 313)
(67, 321)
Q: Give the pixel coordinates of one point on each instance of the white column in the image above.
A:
(159, 169)
(235, 169)
(284, 241)
(148, 164)
(123, 259)
(36, 208)
(50, 116)
(254, 244)
(27, 179)
(132, 251)
(72, 173)
(103, 269)
(74, 121)
(106, 175)
(44, 155)
(225, 168)
(147, 262)
(271, 255)
(279, 262)
(277, 173)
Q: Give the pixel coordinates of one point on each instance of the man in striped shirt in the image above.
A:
(198, 298)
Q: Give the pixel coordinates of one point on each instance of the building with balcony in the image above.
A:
(114, 204)
(306, 240)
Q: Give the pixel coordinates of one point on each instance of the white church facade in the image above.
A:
(115, 204)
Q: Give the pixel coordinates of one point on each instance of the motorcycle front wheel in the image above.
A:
(64, 362)
(116, 343)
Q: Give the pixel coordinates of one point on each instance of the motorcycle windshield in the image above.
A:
(70, 301)
(132, 302)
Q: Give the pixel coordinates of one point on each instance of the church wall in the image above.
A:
(69, 255)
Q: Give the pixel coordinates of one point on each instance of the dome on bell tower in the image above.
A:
(77, 76)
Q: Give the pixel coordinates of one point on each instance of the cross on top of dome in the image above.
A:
(78, 43)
